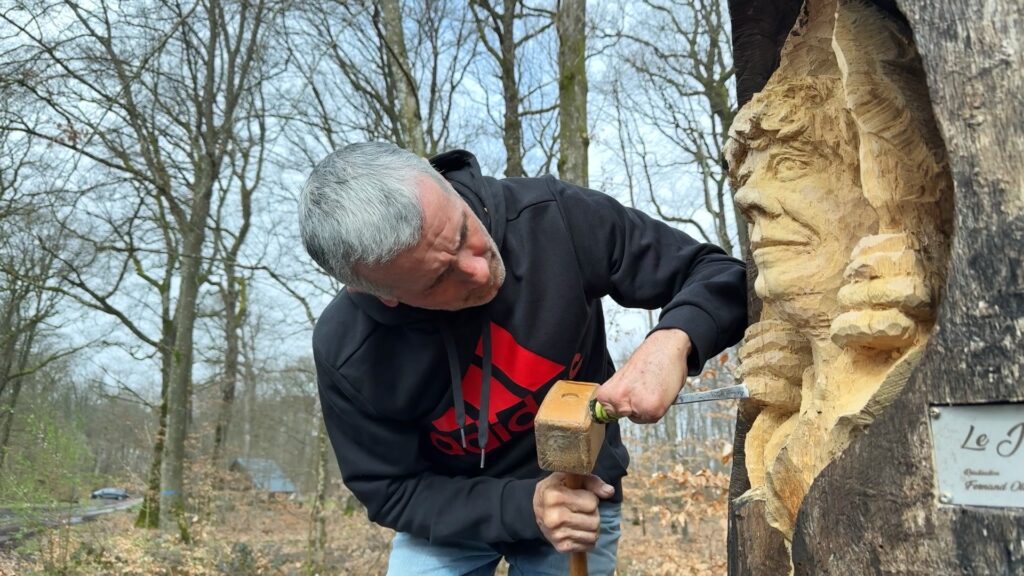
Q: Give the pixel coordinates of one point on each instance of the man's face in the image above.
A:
(455, 264)
(807, 213)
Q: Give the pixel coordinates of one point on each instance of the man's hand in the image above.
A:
(568, 518)
(645, 386)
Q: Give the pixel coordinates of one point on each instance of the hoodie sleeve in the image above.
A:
(644, 263)
(381, 464)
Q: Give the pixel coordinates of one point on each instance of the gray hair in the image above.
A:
(360, 207)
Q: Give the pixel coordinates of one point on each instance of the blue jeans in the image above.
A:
(416, 556)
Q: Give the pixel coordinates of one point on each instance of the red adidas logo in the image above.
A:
(519, 373)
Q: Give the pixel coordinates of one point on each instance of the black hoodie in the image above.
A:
(396, 408)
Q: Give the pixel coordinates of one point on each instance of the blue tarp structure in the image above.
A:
(265, 475)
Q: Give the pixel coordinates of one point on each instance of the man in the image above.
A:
(466, 299)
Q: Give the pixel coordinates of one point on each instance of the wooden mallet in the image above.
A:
(568, 440)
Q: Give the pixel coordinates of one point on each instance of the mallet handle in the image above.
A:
(577, 560)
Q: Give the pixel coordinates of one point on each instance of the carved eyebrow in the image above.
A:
(463, 232)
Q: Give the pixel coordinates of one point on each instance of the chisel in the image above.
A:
(727, 393)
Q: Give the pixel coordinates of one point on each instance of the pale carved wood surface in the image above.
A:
(891, 523)
(873, 510)
(839, 168)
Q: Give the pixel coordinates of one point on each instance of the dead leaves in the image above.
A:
(674, 523)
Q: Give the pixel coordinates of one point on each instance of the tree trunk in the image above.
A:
(573, 136)
(875, 509)
(149, 513)
(8, 331)
(318, 519)
(172, 486)
(22, 362)
(8, 423)
(513, 134)
(249, 399)
(234, 307)
(759, 29)
(410, 121)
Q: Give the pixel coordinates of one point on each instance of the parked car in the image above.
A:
(110, 494)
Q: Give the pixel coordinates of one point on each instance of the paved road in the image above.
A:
(15, 525)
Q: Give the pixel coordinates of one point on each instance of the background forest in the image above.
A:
(156, 305)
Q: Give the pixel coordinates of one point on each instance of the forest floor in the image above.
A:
(674, 523)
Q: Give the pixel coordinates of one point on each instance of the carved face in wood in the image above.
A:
(793, 159)
(841, 172)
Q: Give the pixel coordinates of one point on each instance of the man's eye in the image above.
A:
(789, 167)
(439, 280)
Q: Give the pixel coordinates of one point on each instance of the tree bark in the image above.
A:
(573, 135)
(400, 72)
(759, 29)
(234, 296)
(149, 513)
(230, 378)
(318, 518)
(249, 400)
(8, 424)
(172, 483)
(503, 25)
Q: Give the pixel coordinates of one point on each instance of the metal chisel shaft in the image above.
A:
(727, 393)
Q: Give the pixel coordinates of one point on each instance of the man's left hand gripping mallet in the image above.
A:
(569, 440)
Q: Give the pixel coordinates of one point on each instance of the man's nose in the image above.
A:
(474, 268)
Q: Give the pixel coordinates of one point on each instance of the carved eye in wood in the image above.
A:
(788, 167)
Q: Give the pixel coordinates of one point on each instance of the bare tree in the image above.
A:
(380, 70)
(153, 96)
(681, 57)
(638, 165)
(28, 313)
(318, 519)
(231, 228)
(506, 28)
(400, 76)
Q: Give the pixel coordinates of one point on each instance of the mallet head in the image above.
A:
(568, 437)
